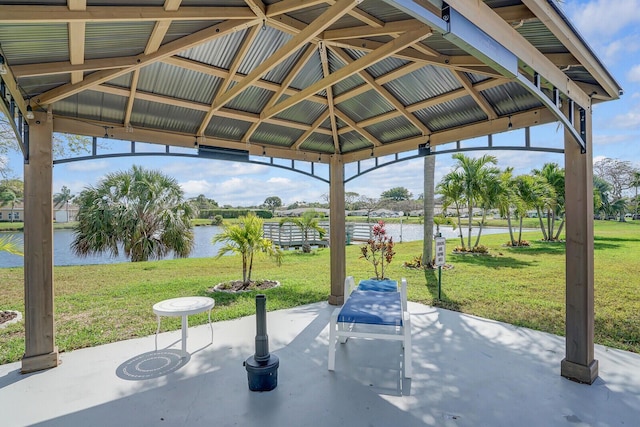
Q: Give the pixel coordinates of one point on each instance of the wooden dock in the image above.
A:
(290, 236)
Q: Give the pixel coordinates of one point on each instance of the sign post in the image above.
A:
(440, 260)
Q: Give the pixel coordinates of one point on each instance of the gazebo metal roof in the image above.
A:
(292, 79)
(331, 81)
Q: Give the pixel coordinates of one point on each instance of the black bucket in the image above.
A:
(262, 367)
(262, 377)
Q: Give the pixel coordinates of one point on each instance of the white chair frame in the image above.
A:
(342, 331)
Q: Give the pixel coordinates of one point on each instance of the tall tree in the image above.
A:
(452, 192)
(428, 206)
(63, 197)
(635, 183)
(272, 203)
(554, 176)
(142, 210)
(533, 192)
(396, 194)
(601, 190)
(618, 173)
(477, 174)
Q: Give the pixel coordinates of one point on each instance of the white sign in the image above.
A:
(440, 251)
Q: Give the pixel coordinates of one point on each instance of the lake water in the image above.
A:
(62, 254)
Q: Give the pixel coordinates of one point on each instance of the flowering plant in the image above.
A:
(378, 250)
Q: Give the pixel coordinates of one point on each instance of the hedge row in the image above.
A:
(234, 213)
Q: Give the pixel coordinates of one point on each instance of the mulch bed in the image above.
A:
(235, 286)
(5, 316)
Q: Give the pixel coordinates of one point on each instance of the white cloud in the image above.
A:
(201, 169)
(601, 17)
(630, 120)
(633, 75)
(88, 166)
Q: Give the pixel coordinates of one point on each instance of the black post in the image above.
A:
(262, 367)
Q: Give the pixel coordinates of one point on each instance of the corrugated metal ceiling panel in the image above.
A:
(271, 134)
(395, 129)
(219, 52)
(310, 73)
(353, 141)
(226, 128)
(510, 99)
(423, 84)
(381, 67)
(116, 39)
(365, 106)
(165, 79)
(253, 99)
(281, 71)
(450, 114)
(166, 117)
(305, 112)
(318, 142)
(263, 47)
(30, 43)
(41, 84)
(180, 29)
(383, 11)
(93, 105)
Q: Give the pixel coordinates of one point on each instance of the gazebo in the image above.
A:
(315, 81)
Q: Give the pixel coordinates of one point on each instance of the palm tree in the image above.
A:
(507, 199)
(246, 239)
(11, 245)
(63, 197)
(533, 192)
(636, 183)
(143, 211)
(451, 190)
(306, 223)
(554, 176)
(601, 191)
(477, 174)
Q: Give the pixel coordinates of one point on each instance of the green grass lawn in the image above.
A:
(97, 304)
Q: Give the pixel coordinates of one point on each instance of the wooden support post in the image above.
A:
(579, 363)
(40, 350)
(337, 235)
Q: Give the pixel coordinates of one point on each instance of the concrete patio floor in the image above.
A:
(468, 371)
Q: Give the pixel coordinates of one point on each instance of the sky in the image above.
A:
(612, 32)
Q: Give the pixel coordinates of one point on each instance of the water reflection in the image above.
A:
(62, 254)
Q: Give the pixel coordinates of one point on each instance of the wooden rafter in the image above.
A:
(391, 28)
(197, 106)
(257, 7)
(76, 39)
(302, 61)
(332, 111)
(392, 100)
(235, 65)
(153, 44)
(351, 69)
(287, 6)
(165, 51)
(477, 96)
(61, 14)
(446, 97)
(330, 16)
(221, 73)
(353, 125)
(315, 127)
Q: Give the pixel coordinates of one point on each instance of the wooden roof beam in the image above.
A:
(392, 100)
(237, 60)
(351, 69)
(76, 39)
(391, 28)
(476, 95)
(325, 20)
(164, 52)
(332, 111)
(314, 128)
(10, 14)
